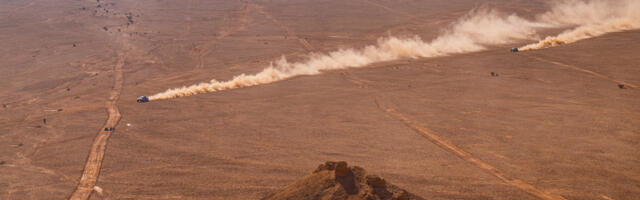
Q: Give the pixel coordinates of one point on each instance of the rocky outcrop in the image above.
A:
(336, 180)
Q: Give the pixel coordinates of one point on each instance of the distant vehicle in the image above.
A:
(514, 50)
(142, 99)
(621, 86)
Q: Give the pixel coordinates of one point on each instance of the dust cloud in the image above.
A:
(473, 32)
(590, 19)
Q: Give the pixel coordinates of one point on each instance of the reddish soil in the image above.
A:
(553, 125)
(337, 180)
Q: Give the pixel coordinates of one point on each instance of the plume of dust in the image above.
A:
(470, 33)
(591, 18)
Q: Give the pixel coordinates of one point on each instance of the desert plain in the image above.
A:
(554, 123)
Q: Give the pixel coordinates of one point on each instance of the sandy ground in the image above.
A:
(554, 119)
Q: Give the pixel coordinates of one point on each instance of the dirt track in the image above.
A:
(287, 30)
(237, 21)
(595, 74)
(542, 129)
(442, 142)
(96, 155)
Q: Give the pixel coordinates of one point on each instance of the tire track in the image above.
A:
(187, 18)
(25, 164)
(361, 83)
(446, 145)
(388, 9)
(15, 10)
(410, 17)
(305, 44)
(409, 22)
(595, 74)
(239, 18)
(94, 161)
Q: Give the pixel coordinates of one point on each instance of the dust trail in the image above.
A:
(471, 33)
(592, 18)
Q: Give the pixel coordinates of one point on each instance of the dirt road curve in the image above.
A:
(94, 161)
(443, 143)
